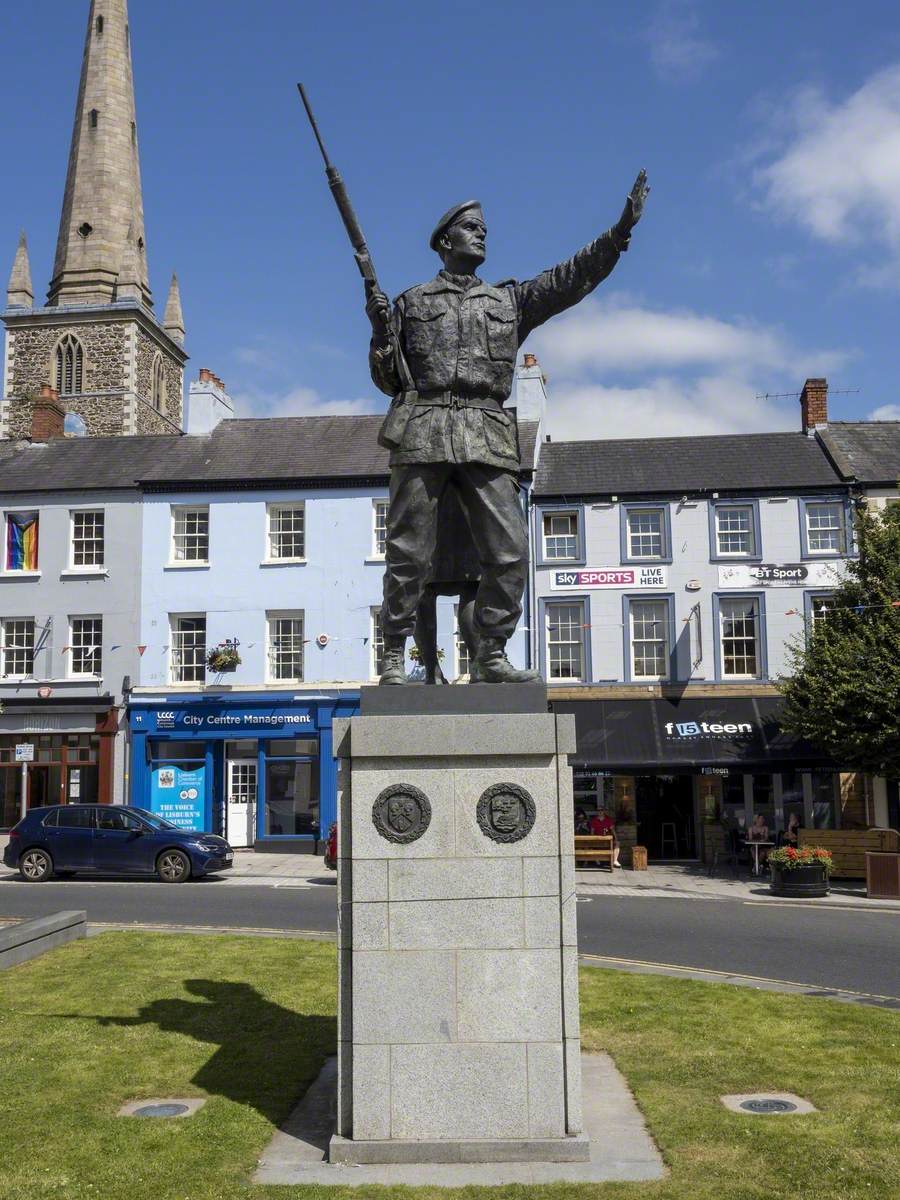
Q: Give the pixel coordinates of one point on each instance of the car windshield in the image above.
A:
(153, 820)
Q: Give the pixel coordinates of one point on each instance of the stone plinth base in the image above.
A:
(568, 1149)
(458, 1009)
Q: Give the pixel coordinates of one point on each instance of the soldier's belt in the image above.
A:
(451, 400)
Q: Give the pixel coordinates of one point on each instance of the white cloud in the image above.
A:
(664, 407)
(834, 167)
(297, 402)
(887, 412)
(679, 51)
(619, 369)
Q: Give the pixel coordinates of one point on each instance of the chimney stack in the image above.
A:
(814, 404)
(48, 417)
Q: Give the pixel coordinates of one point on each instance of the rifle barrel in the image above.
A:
(312, 121)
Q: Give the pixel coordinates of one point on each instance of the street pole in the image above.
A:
(24, 811)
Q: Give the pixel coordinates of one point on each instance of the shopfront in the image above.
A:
(683, 771)
(55, 753)
(257, 769)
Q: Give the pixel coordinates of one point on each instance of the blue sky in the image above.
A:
(770, 248)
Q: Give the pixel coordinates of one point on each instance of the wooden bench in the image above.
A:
(594, 847)
(848, 847)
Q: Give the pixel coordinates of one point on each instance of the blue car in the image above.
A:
(65, 840)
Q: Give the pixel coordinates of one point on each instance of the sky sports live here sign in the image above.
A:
(577, 579)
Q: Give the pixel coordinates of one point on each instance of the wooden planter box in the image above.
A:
(799, 882)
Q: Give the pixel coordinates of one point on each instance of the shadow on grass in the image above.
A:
(264, 1050)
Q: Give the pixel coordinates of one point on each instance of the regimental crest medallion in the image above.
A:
(506, 812)
(401, 813)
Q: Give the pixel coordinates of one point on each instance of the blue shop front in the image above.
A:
(256, 768)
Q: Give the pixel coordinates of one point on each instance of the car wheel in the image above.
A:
(35, 866)
(173, 867)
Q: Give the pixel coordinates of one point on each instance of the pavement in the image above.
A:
(685, 881)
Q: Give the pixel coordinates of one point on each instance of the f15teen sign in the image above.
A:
(576, 579)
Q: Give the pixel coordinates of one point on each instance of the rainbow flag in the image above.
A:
(22, 541)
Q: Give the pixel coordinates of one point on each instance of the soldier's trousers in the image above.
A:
(490, 500)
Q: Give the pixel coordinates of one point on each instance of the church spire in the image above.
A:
(102, 201)
(19, 292)
(173, 321)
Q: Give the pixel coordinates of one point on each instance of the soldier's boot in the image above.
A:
(393, 662)
(492, 666)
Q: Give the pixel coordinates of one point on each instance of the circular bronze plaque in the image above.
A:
(401, 813)
(506, 812)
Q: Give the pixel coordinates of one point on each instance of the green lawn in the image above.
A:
(247, 1021)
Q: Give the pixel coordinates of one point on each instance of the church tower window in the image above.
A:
(159, 385)
(69, 366)
(100, 27)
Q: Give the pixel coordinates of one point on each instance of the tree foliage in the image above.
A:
(844, 691)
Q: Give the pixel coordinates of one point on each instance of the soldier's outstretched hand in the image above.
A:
(634, 205)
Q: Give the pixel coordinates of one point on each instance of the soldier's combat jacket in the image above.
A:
(460, 337)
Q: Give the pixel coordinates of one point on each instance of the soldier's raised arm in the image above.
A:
(555, 290)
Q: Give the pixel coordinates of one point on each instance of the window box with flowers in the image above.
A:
(224, 658)
(800, 873)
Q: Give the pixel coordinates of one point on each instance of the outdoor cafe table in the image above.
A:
(755, 847)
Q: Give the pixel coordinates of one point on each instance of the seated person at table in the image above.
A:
(759, 832)
(582, 824)
(602, 823)
(790, 834)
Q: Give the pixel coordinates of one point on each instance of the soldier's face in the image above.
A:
(465, 239)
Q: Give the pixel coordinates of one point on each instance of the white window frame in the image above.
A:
(379, 528)
(273, 636)
(179, 511)
(635, 604)
(176, 663)
(638, 511)
(753, 549)
(376, 643)
(840, 528)
(96, 646)
(724, 602)
(21, 646)
(550, 621)
(273, 511)
(547, 518)
(74, 514)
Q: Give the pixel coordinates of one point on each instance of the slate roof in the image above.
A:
(240, 452)
(742, 462)
(864, 451)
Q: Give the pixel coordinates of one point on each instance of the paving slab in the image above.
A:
(621, 1148)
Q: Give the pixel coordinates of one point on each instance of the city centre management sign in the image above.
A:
(577, 579)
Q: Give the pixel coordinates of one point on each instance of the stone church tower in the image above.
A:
(97, 343)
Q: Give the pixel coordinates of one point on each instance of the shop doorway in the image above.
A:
(665, 816)
(241, 782)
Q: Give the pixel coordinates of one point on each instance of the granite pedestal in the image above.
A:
(458, 1015)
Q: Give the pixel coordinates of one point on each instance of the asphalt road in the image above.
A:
(824, 947)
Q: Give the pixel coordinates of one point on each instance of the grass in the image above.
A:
(247, 1022)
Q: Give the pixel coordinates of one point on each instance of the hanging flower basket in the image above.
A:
(223, 658)
(799, 873)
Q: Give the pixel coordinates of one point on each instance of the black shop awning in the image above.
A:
(666, 735)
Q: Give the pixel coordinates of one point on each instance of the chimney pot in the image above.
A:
(206, 375)
(529, 361)
(814, 404)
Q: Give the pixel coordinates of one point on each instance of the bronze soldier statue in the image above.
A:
(447, 354)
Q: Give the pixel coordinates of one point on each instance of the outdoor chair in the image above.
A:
(730, 853)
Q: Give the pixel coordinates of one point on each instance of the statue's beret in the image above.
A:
(449, 217)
